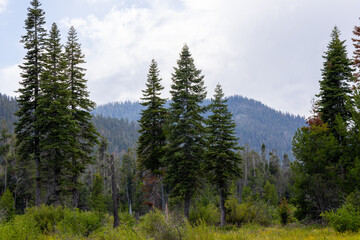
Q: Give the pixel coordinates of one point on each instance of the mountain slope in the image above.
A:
(256, 123)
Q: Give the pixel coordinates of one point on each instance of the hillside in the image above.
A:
(120, 133)
(256, 123)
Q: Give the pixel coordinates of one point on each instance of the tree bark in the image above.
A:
(222, 209)
(114, 193)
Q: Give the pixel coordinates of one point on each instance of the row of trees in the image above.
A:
(327, 150)
(180, 143)
(54, 133)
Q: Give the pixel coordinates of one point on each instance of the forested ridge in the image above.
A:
(256, 123)
(194, 167)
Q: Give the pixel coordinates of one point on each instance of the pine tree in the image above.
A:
(222, 164)
(27, 133)
(150, 150)
(81, 106)
(185, 149)
(55, 124)
(152, 138)
(334, 86)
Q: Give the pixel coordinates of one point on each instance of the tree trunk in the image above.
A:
(162, 195)
(129, 200)
(187, 204)
(114, 193)
(222, 209)
(75, 192)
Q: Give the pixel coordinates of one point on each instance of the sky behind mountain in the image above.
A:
(268, 50)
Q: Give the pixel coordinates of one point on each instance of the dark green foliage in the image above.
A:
(152, 137)
(27, 132)
(80, 107)
(185, 149)
(7, 206)
(334, 86)
(55, 124)
(222, 164)
(316, 185)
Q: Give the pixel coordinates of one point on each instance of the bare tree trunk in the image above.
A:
(75, 191)
(114, 193)
(162, 194)
(222, 208)
(129, 200)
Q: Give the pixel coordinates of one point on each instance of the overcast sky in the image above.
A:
(267, 50)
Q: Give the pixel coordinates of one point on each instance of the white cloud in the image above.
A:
(9, 80)
(3, 4)
(266, 50)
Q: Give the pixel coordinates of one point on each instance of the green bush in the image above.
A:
(7, 206)
(46, 217)
(248, 212)
(127, 219)
(207, 213)
(155, 225)
(21, 227)
(76, 222)
(347, 217)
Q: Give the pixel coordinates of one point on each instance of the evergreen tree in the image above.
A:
(81, 106)
(152, 138)
(222, 164)
(27, 132)
(334, 86)
(150, 150)
(55, 124)
(185, 149)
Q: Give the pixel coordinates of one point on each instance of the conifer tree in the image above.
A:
(185, 149)
(27, 133)
(55, 124)
(80, 106)
(152, 138)
(150, 150)
(334, 86)
(222, 164)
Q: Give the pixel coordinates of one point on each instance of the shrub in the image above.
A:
(76, 222)
(127, 219)
(284, 212)
(155, 225)
(21, 227)
(248, 212)
(46, 217)
(7, 206)
(206, 213)
(346, 218)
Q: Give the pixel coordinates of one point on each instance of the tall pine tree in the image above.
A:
(80, 106)
(222, 164)
(334, 86)
(185, 149)
(55, 124)
(151, 141)
(27, 132)
(152, 138)
(356, 43)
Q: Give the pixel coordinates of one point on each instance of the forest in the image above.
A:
(179, 172)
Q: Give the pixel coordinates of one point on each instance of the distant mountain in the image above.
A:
(256, 123)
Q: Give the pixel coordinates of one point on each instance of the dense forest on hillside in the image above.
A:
(256, 123)
(8, 107)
